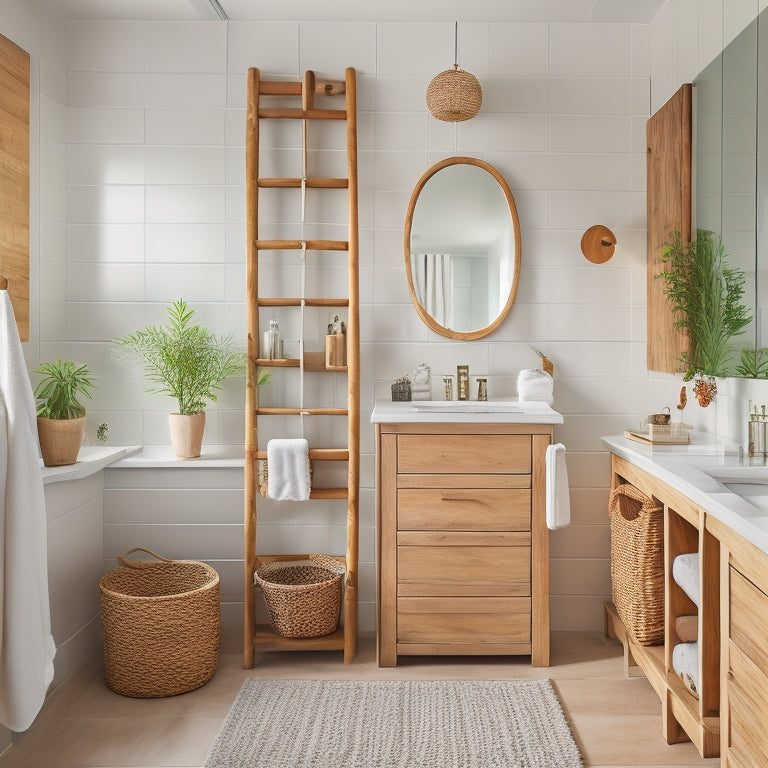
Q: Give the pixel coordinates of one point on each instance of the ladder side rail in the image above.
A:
(353, 378)
(251, 392)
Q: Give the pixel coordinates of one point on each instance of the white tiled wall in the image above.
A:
(141, 143)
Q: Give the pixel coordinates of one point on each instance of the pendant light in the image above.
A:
(454, 95)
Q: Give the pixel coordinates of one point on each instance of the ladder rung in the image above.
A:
(313, 183)
(328, 493)
(277, 88)
(323, 87)
(278, 113)
(295, 245)
(301, 411)
(317, 454)
(294, 302)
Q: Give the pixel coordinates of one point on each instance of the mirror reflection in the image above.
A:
(731, 176)
(462, 248)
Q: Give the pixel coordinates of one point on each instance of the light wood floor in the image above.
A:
(615, 721)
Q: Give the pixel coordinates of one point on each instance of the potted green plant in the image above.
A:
(187, 362)
(706, 296)
(60, 414)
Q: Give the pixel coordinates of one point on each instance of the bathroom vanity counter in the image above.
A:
(463, 547)
(464, 412)
(710, 476)
(715, 510)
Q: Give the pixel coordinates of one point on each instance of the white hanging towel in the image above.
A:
(558, 500)
(288, 469)
(27, 646)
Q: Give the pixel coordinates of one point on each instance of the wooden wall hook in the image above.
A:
(598, 244)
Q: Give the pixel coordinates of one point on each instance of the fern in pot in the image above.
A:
(60, 414)
(706, 295)
(187, 362)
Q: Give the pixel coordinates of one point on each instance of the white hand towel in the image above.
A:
(288, 469)
(26, 660)
(534, 385)
(558, 500)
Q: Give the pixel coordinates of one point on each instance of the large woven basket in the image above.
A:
(637, 563)
(303, 597)
(162, 624)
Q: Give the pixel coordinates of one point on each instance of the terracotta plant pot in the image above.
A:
(60, 440)
(186, 434)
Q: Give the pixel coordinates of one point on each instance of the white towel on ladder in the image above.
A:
(26, 657)
(288, 469)
(558, 501)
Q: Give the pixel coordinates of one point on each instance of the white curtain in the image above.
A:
(433, 281)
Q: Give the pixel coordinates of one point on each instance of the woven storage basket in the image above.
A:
(162, 624)
(637, 563)
(303, 597)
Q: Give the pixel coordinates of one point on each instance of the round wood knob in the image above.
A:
(598, 244)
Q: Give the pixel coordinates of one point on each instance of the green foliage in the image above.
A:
(185, 361)
(60, 387)
(706, 296)
(754, 363)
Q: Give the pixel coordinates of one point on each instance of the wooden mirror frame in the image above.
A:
(425, 316)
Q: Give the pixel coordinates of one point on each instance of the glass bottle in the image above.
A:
(274, 345)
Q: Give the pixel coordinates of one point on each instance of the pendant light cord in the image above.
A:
(455, 44)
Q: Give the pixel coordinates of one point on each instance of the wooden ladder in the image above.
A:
(263, 637)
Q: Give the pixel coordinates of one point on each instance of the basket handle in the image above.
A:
(125, 562)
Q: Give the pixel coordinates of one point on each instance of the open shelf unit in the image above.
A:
(262, 106)
(684, 715)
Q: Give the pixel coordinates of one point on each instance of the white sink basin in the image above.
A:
(471, 406)
(752, 475)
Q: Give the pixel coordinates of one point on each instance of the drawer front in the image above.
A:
(463, 620)
(464, 509)
(749, 620)
(471, 454)
(463, 570)
(748, 709)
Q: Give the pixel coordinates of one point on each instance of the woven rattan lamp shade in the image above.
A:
(454, 95)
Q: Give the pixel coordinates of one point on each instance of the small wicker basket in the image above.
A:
(637, 563)
(162, 625)
(303, 597)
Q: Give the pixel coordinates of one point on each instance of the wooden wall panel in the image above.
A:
(668, 135)
(14, 178)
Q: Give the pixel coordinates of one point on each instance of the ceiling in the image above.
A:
(627, 11)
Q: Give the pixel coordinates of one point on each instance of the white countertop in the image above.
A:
(463, 412)
(91, 459)
(684, 467)
(162, 456)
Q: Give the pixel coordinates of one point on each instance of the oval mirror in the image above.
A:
(462, 248)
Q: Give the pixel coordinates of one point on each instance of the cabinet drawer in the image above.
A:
(748, 708)
(749, 619)
(464, 509)
(463, 620)
(463, 569)
(472, 454)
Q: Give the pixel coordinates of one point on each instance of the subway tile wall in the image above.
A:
(141, 200)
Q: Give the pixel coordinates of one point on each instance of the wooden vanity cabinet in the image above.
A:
(744, 651)
(463, 548)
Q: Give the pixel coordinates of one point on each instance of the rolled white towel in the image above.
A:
(685, 662)
(685, 571)
(288, 469)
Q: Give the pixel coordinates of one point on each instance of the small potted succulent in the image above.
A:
(187, 362)
(60, 414)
